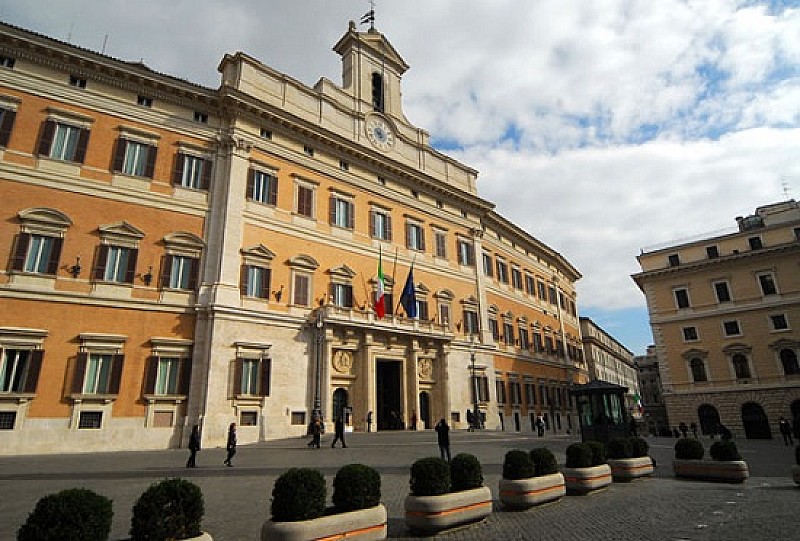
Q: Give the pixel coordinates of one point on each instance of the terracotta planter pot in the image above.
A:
(524, 493)
(364, 525)
(796, 474)
(726, 471)
(429, 514)
(628, 469)
(585, 480)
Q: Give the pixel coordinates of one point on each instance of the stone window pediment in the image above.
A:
(694, 353)
(304, 262)
(184, 243)
(470, 301)
(121, 233)
(342, 272)
(444, 295)
(736, 348)
(258, 255)
(43, 220)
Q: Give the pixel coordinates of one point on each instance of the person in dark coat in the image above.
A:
(316, 433)
(786, 431)
(443, 436)
(194, 446)
(231, 445)
(338, 432)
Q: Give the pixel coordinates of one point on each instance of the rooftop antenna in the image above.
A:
(105, 40)
(369, 17)
(69, 34)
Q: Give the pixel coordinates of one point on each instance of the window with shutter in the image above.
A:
(7, 117)
(191, 172)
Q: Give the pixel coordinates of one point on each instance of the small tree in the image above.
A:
(465, 472)
(620, 448)
(579, 455)
(298, 494)
(356, 487)
(170, 509)
(724, 450)
(544, 461)
(639, 447)
(689, 449)
(430, 477)
(75, 514)
(598, 452)
(518, 465)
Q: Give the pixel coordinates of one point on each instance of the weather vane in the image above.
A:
(369, 17)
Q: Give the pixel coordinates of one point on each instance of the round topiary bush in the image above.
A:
(356, 487)
(579, 455)
(465, 472)
(620, 448)
(639, 447)
(298, 494)
(518, 465)
(170, 509)
(75, 514)
(544, 461)
(598, 452)
(430, 477)
(689, 449)
(724, 450)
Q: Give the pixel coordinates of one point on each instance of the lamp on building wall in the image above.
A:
(278, 294)
(75, 269)
(147, 278)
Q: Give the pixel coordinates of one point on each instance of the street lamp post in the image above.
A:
(319, 338)
(475, 414)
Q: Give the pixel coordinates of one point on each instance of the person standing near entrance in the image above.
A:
(194, 446)
(338, 433)
(231, 445)
(443, 437)
(369, 421)
(413, 420)
(786, 431)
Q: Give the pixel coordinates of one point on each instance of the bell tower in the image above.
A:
(371, 72)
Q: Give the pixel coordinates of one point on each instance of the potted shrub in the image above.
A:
(726, 464)
(299, 513)
(446, 495)
(72, 514)
(586, 469)
(628, 459)
(170, 509)
(796, 467)
(530, 479)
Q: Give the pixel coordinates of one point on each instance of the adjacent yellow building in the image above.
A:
(725, 313)
(182, 255)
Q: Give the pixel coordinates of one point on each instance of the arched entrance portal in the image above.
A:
(388, 387)
(339, 403)
(756, 424)
(709, 419)
(425, 409)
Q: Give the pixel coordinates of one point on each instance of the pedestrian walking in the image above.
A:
(540, 426)
(684, 429)
(694, 430)
(338, 433)
(316, 433)
(470, 421)
(231, 445)
(443, 437)
(413, 420)
(369, 421)
(786, 431)
(194, 446)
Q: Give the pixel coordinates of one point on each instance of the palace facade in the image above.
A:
(725, 313)
(180, 255)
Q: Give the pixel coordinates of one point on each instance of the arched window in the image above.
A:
(789, 361)
(740, 366)
(377, 91)
(698, 370)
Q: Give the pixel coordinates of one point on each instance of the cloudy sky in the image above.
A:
(601, 127)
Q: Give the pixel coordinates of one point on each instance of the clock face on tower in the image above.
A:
(379, 133)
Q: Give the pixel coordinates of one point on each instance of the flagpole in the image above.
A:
(394, 273)
(400, 300)
(366, 291)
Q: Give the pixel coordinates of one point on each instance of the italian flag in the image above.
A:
(638, 402)
(380, 304)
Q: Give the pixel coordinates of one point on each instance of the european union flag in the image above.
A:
(409, 297)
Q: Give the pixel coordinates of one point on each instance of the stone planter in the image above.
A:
(524, 493)
(796, 474)
(364, 525)
(628, 469)
(725, 471)
(205, 536)
(430, 514)
(585, 480)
